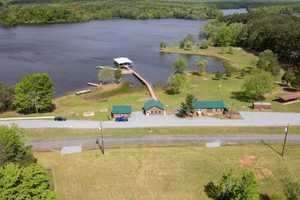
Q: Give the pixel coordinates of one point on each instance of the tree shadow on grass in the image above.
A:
(241, 96)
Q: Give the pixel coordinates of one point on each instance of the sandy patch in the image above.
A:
(247, 160)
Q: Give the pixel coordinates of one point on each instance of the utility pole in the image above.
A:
(286, 130)
(102, 139)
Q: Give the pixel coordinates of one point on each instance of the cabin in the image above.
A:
(288, 98)
(154, 107)
(122, 61)
(208, 108)
(121, 111)
(261, 105)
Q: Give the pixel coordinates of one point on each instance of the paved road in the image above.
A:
(161, 140)
(138, 120)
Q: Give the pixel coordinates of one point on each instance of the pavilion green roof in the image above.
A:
(208, 104)
(153, 103)
(121, 109)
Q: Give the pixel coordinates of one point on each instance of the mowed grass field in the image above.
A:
(38, 134)
(173, 173)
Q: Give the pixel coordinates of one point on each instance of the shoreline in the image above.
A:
(215, 52)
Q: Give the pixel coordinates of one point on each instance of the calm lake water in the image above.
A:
(70, 52)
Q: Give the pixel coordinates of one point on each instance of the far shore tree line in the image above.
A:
(33, 94)
(20, 175)
(36, 12)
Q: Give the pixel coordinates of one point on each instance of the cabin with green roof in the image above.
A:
(154, 107)
(208, 108)
(121, 111)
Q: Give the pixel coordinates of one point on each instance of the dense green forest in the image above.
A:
(273, 28)
(84, 11)
(15, 12)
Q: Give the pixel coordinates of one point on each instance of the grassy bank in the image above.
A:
(165, 173)
(37, 134)
(239, 58)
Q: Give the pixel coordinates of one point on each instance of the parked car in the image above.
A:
(60, 119)
(121, 119)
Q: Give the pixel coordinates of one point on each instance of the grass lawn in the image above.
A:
(165, 173)
(36, 134)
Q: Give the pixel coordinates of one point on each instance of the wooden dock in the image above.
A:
(144, 81)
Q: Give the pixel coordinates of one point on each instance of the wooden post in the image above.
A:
(285, 139)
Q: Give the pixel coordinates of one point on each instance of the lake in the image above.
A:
(70, 52)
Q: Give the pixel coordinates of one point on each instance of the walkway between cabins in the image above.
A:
(146, 83)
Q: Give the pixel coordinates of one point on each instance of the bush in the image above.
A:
(6, 97)
(218, 75)
(29, 182)
(291, 189)
(237, 188)
(13, 148)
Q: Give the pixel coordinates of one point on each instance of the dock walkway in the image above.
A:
(144, 81)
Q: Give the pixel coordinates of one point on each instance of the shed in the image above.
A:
(121, 111)
(261, 105)
(289, 98)
(208, 107)
(154, 107)
(122, 61)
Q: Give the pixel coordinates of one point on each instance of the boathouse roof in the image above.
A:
(122, 60)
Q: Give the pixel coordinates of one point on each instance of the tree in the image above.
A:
(204, 44)
(118, 74)
(13, 148)
(291, 189)
(29, 182)
(257, 85)
(162, 45)
(187, 42)
(201, 63)
(289, 76)
(6, 97)
(180, 65)
(106, 75)
(186, 108)
(225, 36)
(175, 84)
(268, 61)
(234, 188)
(34, 94)
(296, 82)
